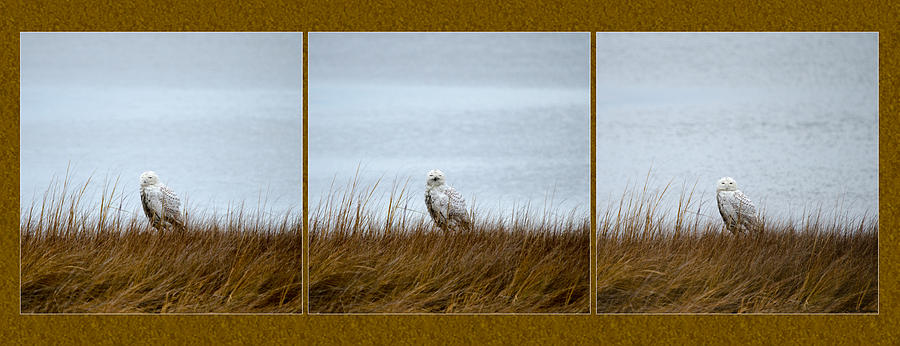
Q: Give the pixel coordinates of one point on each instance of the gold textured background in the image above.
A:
(413, 15)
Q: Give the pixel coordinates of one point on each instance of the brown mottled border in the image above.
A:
(406, 15)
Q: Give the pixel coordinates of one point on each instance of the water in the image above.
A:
(216, 115)
(505, 116)
(793, 117)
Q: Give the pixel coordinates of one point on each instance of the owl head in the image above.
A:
(149, 178)
(726, 184)
(435, 177)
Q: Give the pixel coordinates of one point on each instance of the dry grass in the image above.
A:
(651, 261)
(397, 262)
(87, 259)
(92, 259)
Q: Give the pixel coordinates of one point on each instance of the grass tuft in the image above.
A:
(78, 258)
(368, 257)
(650, 261)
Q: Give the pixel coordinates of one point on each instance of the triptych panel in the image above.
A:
(449, 173)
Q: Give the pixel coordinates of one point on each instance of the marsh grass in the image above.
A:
(651, 259)
(371, 253)
(80, 257)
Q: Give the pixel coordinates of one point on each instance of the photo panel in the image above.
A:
(161, 172)
(737, 172)
(449, 172)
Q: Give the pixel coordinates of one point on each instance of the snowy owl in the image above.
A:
(160, 203)
(446, 206)
(737, 210)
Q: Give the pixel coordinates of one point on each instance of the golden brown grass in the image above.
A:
(363, 261)
(649, 262)
(92, 259)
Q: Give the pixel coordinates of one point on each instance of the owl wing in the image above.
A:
(746, 209)
(746, 206)
(457, 205)
(171, 203)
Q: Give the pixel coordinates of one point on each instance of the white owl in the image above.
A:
(738, 211)
(160, 203)
(446, 206)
